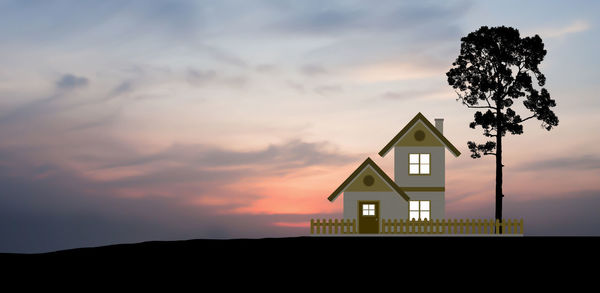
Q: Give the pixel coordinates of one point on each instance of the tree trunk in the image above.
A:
(499, 166)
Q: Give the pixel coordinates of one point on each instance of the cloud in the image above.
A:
(201, 77)
(298, 87)
(70, 81)
(407, 68)
(334, 18)
(285, 156)
(559, 32)
(313, 70)
(47, 105)
(584, 162)
(266, 68)
(412, 94)
(325, 90)
(209, 76)
(122, 88)
(223, 55)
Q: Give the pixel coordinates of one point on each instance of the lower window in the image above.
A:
(419, 210)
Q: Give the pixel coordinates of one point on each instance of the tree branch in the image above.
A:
(534, 115)
(479, 107)
(488, 101)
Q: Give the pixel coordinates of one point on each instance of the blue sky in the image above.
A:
(124, 121)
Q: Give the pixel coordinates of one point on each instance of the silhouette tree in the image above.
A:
(495, 68)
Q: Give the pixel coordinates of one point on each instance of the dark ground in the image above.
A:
(302, 262)
(327, 247)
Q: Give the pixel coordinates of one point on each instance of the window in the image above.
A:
(419, 209)
(368, 210)
(418, 164)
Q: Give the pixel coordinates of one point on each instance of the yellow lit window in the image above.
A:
(419, 210)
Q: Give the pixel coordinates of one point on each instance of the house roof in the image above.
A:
(435, 131)
(386, 178)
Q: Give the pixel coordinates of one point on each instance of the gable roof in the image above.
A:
(435, 131)
(386, 178)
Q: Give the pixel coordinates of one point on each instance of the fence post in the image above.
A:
(317, 226)
(485, 227)
(445, 228)
(413, 226)
(428, 226)
(389, 226)
(347, 226)
(400, 228)
(521, 226)
(320, 226)
(497, 231)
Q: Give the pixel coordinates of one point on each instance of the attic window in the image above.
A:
(418, 164)
(419, 135)
(368, 180)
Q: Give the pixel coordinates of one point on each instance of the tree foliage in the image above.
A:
(495, 68)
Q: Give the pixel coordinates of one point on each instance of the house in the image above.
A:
(417, 191)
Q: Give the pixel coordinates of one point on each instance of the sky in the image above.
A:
(128, 121)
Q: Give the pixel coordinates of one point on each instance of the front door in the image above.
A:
(368, 217)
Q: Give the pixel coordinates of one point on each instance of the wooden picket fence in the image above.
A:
(451, 226)
(343, 226)
(405, 226)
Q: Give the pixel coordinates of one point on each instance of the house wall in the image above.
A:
(391, 205)
(437, 165)
(438, 202)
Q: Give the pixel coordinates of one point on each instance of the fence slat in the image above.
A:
(521, 227)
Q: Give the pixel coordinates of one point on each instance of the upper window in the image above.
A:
(419, 209)
(418, 164)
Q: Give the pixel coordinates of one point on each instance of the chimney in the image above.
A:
(439, 124)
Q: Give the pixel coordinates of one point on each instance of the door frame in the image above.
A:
(359, 204)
